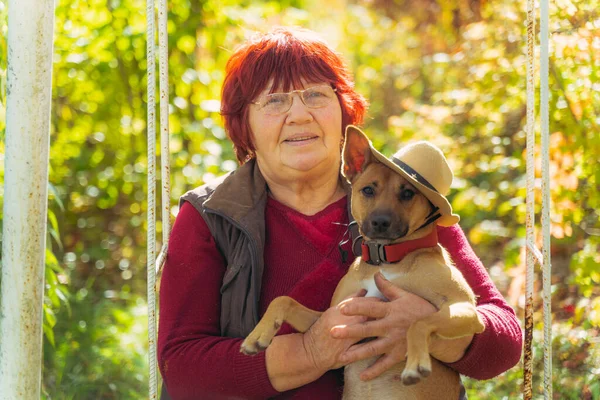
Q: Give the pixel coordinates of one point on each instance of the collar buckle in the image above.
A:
(376, 253)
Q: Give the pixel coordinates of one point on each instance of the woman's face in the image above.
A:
(300, 143)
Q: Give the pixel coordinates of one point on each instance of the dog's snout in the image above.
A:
(381, 223)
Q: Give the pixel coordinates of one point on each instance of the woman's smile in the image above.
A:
(301, 139)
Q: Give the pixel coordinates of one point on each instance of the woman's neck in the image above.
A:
(307, 197)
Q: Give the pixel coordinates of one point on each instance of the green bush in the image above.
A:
(100, 350)
(575, 362)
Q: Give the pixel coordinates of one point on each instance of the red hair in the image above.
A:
(284, 56)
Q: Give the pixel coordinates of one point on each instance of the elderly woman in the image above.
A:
(274, 226)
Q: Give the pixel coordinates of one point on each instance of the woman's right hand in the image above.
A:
(321, 348)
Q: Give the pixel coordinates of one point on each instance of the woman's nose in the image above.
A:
(298, 111)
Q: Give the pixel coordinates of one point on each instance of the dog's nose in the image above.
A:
(381, 223)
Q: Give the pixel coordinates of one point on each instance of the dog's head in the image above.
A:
(386, 206)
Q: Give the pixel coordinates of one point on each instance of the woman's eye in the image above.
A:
(368, 191)
(407, 194)
(313, 93)
(274, 100)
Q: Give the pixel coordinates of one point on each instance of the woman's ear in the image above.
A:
(356, 154)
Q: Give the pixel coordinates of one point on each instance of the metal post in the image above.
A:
(151, 234)
(165, 152)
(545, 131)
(155, 266)
(530, 214)
(163, 64)
(29, 93)
(533, 253)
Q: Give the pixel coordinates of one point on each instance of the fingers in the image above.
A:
(370, 307)
(368, 349)
(387, 288)
(383, 364)
(360, 330)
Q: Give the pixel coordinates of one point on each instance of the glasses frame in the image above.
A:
(261, 105)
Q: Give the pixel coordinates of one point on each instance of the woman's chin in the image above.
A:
(309, 164)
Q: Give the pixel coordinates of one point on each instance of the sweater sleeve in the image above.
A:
(498, 348)
(194, 360)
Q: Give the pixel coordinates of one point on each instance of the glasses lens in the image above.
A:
(277, 103)
(315, 97)
(318, 96)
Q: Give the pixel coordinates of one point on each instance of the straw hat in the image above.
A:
(425, 167)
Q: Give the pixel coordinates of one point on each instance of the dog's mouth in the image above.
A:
(387, 237)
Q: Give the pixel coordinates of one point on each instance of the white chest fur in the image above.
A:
(371, 287)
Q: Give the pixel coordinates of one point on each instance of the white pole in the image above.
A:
(151, 237)
(163, 69)
(29, 93)
(155, 267)
(530, 209)
(545, 128)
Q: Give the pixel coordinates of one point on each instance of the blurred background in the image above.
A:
(452, 72)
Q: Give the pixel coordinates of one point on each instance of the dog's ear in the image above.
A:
(356, 154)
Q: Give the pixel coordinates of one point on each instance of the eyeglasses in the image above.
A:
(279, 103)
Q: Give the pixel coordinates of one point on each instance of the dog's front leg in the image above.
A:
(282, 309)
(451, 321)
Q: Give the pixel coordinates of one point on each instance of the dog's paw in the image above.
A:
(260, 338)
(252, 347)
(424, 371)
(410, 377)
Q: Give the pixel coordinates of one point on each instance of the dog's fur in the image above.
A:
(428, 273)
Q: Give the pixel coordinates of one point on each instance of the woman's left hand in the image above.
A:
(389, 322)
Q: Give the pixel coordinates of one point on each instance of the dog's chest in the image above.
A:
(369, 282)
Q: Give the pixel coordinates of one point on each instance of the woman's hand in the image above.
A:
(321, 347)
(389, 322)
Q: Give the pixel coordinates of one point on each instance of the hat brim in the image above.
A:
(437, 199)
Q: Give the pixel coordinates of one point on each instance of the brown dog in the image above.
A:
(397, 204)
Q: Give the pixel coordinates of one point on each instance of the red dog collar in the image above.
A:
(374, 253)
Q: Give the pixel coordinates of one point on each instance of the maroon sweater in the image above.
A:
(302, 261)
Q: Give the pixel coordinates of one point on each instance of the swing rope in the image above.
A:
(163, 68)
(530, 211)
(533, 254)
(151, 240)
(547, 266)
(154, 264)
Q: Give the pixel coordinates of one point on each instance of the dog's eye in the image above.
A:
(368, 191)
(407, 194)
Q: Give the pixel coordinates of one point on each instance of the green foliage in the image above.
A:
(102, 349)
(575, 372)
(55, 295)
(584, 265)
